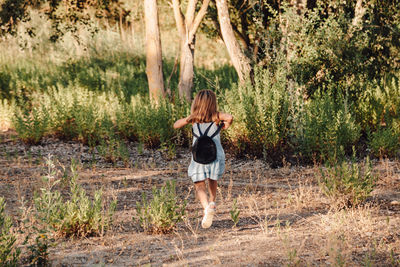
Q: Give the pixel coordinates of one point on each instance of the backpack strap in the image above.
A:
(195, 135)
(208, 128)
(200, 133)
(218, 130)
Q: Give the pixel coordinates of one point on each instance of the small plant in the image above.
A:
(163, 212)
(113, 150)
(9, 254)
(235, 212)
(31, 126)
(78, 216)
(348, 184)
(384, 142)
(39, 250)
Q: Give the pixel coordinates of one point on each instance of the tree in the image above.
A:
(240, 61)
(153, 51)
(187, 27)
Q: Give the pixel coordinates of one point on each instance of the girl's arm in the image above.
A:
(180, 123)
(227, 119)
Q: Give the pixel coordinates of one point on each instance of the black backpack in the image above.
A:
(204, 149)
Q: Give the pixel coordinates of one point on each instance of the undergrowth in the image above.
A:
(75, 216)
(162, 212)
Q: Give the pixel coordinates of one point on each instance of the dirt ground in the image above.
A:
(284, 218)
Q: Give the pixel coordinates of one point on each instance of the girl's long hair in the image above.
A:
(204, 108)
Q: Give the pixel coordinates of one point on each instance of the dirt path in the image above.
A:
(284, 219)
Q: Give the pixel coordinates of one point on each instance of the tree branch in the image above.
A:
(243, 40)
(200, 15)
(191, 9)
(179, 17)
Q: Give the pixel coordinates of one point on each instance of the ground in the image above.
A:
(284, 218)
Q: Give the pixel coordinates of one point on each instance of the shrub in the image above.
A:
(113, 149)
(153, 123)
(78, 216)
(379, 104)
(163, 212)
(348, 184)
(31, 126)
(261, 114)
(235, 212)
(80, 113)
(39, 250)
(384, 142)
(9, 254)
(328, 130)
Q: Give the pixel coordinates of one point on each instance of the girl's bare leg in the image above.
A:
(202, 193)
(212, 189)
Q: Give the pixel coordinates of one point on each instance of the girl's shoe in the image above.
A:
(208, 215)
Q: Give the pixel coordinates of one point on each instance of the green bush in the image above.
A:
(261, 113)
(112, 148)
(348, 184)
(328, 131)
(379, 104)
(163, 212)
(78, 216)
(153, 123)
(31, 126)
(39, 250)
(384, 142)
(9, 253)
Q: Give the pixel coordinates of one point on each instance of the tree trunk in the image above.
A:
(186, 71)
(240, 61)
(187, 28)
(153, 51)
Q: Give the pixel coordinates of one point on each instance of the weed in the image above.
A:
(9, 253)
(39, 250)
(113, 150)
(348, 184)
(163, 212)
(235, 212)
(393, 260)
(384, 142)
(31, 126)
(77, 217)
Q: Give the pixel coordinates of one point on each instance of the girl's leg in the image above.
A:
(212, 189)
(201, 193)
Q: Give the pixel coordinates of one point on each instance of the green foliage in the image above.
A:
(163, 211)
(328, 130)
(384, 142)
(9, 253)
(379, 103)
(261, 114)
(11, 12)
(31, 126)
(235, 212)
(348, 184)
(113, 149)
(153, 123)
(78, 216)
(39, 250)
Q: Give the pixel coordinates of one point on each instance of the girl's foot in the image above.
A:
(208, 215)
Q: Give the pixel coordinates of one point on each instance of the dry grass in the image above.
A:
(284, 219)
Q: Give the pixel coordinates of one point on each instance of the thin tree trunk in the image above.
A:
(153, 51)
(187, 28)
(239, 60)
(186, 71)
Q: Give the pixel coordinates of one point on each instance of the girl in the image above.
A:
(204, 114)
